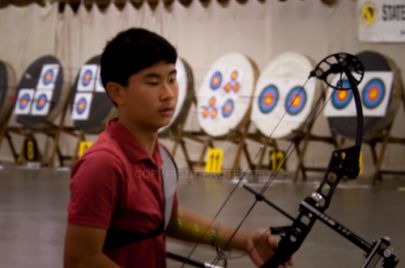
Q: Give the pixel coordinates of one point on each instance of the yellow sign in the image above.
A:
(277, 161)
(369, 13)
(83, 146)
(31, 152)
(214, 162)
(361, 164)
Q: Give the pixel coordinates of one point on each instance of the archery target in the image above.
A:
(41, 102)
(48, 77)
(380, 92)
(373, 93)
(341, 98)
(268, 99)
(24, 101)
(296, 100)
(81, 106)
(225, 95)
(91, 106)
(282, 104)
(184, 79)
(7, 91)
(45, 77)
(87, 78)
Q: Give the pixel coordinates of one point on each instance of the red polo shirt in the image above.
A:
(116, 184)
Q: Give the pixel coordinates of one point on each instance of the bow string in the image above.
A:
(333, 70)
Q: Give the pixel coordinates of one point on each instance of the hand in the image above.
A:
(261, 247)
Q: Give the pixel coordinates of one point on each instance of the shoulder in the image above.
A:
(104, 158)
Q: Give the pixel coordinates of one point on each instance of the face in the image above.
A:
(149, 100)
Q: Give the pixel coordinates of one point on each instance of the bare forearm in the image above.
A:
(193, 227)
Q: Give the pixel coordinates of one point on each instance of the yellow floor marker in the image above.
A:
(83, 146)
(214, 162)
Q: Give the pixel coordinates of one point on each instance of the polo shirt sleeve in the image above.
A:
(94, 189)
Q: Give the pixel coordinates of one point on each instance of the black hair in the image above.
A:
(132, 51)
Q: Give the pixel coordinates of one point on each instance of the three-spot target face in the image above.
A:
(373, 93)
(268, 99)
(225, 94)
(282, 104)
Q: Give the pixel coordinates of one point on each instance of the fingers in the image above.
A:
(273, 241)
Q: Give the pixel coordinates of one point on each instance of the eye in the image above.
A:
(152, 83)
(172, 79)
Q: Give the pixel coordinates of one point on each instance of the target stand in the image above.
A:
(284, 109)
(7, 97)
(89, 108)
(383, 140)
(382, 94)
(39, 109)
(223, 108)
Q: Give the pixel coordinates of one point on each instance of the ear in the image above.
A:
(115, 91)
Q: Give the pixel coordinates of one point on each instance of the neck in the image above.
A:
(147, 138)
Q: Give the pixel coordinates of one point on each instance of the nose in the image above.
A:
(169, 91)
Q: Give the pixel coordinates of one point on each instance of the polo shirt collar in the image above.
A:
(130, 145)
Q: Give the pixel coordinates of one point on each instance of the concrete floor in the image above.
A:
(33, 217)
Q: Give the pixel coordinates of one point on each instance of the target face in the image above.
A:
(283, 104)
(225, 95)
(24, 100)
(81, 106)
(342, 98)
(268, 99)
(373, 93)
(48, 77)
(379, 90)
(42, 102)
(227, 108)
(216, 80)
(295, 101)
(87, 79)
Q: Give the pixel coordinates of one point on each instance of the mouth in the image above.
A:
(169, 111)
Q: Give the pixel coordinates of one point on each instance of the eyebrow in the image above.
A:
(156, 75)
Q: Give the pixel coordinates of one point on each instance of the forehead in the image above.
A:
(160, 68)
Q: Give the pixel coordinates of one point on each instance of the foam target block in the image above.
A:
(282, 103)
(225, 95)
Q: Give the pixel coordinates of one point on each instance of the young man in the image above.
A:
(116, 187)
